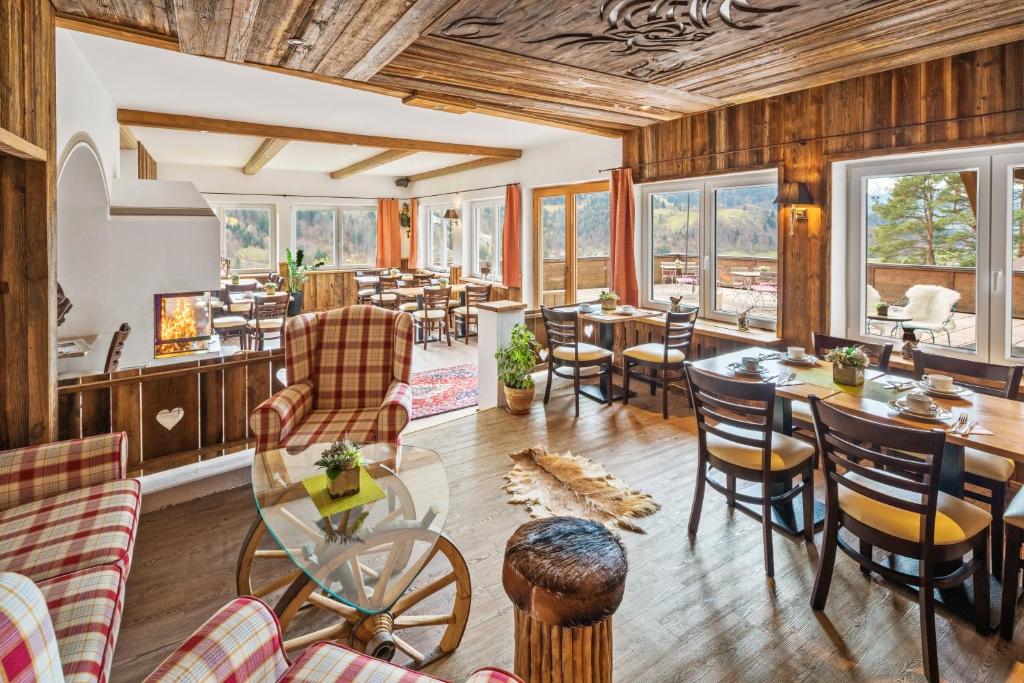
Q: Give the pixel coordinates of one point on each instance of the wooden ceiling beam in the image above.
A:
(373, 162)
(457, 168)
(401, 35)
(241, 29)
(147, 119)
(267, 151)
(128, 140)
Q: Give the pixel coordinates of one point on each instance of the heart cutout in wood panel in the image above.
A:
(169, 419)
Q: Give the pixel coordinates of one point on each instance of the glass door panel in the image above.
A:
(675, 246)
(1016, 287)
(553, 253)
(922, 255)
(593, 243)
(746, 254)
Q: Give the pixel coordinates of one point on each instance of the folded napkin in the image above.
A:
(976, 429)
(792, 383)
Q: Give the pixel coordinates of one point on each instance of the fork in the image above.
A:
(961, 423)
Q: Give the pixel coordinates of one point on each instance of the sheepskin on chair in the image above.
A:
(930, 306)
(553, 484)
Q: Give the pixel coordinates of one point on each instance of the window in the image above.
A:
(344, 235)
(488, 219)
(247, 237)
(933, 238)
(714, 242)
(440, 238)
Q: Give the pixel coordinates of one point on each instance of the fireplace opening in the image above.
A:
(182, 323)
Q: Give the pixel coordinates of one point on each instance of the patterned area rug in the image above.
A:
(565, 484)
(442, 391)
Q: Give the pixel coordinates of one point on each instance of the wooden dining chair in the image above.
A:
(385, 296)
(565, 350)
(891, 500)
(116, 348)
(1013, 519)
(363, 293)
(664, 360)
(468, 314)
(878, 358)
(434, 314)
(990, 473)
(735, 437)
(411, 302)
(269, 315)
(242, 301)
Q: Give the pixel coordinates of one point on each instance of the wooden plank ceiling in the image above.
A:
(602, 66)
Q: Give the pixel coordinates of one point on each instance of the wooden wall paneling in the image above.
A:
(69, 412)
(968, 99)
(126, 414)
(169, 394)
(211, 405)
(258, 382)
(146, 164)
(236, 413)
(95, 407)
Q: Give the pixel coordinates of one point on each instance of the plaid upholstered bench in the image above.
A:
(242, 644)
(68, 520)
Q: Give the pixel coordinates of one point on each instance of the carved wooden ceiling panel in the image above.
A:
(603, 66)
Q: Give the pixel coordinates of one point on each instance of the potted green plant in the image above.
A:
(608, 300)
(515, 360)
(234, 278)
(270, 288)
(848, 363)
(341, 462)
(298, 273)
(882, 308)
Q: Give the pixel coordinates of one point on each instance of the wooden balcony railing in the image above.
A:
(173, 414)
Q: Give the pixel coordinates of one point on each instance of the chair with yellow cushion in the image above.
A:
(475, 294)
(386, 297)
(882, 486)
(1014, 521)
(664, 360)
(735, 437)
(364, 293)
(565, 350)
(989, 473)
(434, 314)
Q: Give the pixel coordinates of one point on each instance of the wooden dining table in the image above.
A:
(606, 322)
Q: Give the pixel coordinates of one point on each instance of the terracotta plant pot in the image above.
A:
(847, 374)
(345, 484)
(518, 400)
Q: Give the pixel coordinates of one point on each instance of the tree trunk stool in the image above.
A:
(565, 577)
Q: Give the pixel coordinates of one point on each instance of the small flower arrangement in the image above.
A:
(270, 288)
(341, 462)
(234, 278)
(395, 271)
(608, 299)
(882, 308)
(848, 363)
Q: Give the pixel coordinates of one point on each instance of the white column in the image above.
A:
(495, 320)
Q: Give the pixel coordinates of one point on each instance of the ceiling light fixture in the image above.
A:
(297, 42)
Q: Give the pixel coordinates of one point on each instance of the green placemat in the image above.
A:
(822, 376)
(316, 487)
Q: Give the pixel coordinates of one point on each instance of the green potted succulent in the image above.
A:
(515, 361)
(608, 300)
(848, 363)
(234, 278)
(341, 462)
(882, 308)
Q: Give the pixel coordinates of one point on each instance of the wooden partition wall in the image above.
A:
(173, 414)
(28, 292)
(968, 99)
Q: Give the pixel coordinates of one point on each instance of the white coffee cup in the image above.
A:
(796, 352)
(939, 382)
(751, 363)
(628, 309)
(919, 401)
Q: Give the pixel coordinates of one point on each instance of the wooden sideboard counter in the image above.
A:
(327, 289)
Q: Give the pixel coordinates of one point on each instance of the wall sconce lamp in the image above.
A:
(452, 216)
(797, 197)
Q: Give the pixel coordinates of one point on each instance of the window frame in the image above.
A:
(337, 210)
(221, 211)
(857, 176)
(446, 230)
(497, 204)
(706, 187)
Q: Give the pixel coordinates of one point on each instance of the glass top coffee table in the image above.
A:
(361, 558)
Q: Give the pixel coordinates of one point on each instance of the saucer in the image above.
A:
(957, 392)
(740, 370)
(935, 413)
(808, 359)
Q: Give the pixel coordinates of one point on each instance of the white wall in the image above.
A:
(85, 106)
(574, 160)
(231, 186)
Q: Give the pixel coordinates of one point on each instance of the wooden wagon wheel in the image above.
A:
(253, 560)
(425, 606)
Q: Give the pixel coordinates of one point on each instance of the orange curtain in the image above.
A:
(511, 250)
(414, 214)
(389, 245)
(623, 256)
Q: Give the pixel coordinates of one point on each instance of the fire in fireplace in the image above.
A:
(182, 323)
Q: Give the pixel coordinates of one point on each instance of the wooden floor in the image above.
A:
(694, 609)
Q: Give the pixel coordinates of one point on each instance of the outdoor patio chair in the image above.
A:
(932, 308)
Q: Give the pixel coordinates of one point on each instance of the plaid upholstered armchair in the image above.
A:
(348, 375)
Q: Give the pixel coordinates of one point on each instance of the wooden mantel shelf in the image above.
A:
(12, 145)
